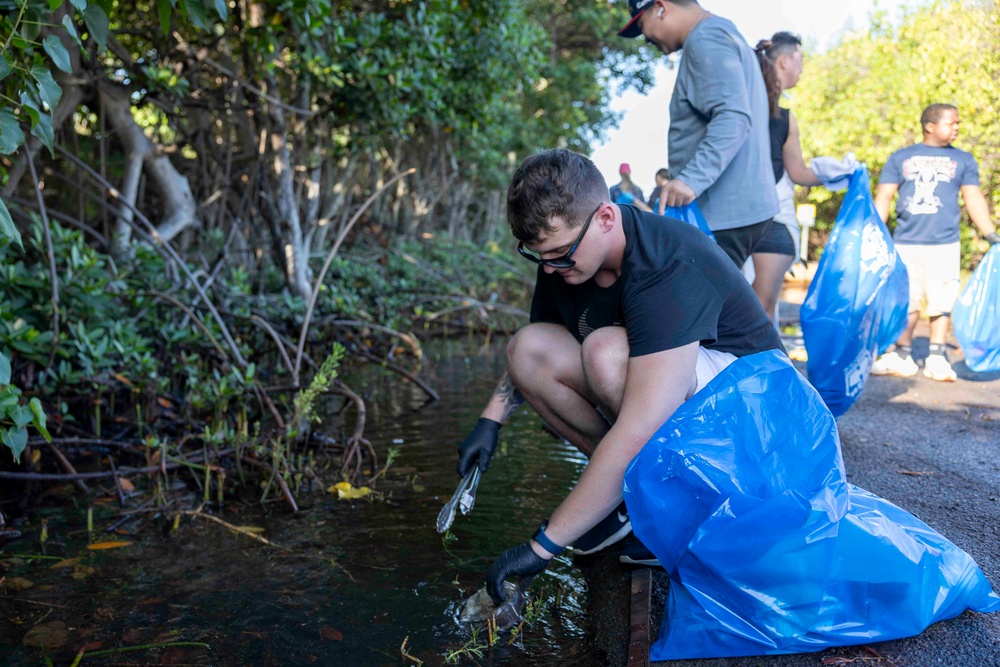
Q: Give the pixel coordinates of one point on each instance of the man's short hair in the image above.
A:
(663, 173)
(783, 43)
(556, 183)
(933, 113)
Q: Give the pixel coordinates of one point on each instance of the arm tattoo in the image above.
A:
(509, 396)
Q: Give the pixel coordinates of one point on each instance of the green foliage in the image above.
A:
(866, 95)
(15, 416)
(29, 35)
(28, 92)
(305, 400)
(98, 337)
(414, 278)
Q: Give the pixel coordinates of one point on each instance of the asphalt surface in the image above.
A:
(931, 448)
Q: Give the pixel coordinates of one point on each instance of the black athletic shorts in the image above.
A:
(739, 243)
(777, 241)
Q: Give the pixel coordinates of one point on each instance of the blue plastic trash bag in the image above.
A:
(976, 316)
(857, 302)
(742, 496)
(625, 197)
(690, 214)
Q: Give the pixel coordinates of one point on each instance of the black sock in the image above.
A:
(904, 350)
(938, 349)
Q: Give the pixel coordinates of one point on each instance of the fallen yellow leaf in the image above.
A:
(64, 563)
(345, 491)
(98, 546)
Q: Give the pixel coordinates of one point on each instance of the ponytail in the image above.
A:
(770, 76)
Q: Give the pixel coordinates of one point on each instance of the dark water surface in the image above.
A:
(361, 577)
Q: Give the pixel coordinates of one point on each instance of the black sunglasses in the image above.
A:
(563, 262)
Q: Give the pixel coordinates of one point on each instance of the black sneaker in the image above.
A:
(615, 527)
(636, 553)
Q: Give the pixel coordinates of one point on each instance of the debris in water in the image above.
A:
(480, 608)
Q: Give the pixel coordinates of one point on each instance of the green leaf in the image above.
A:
(67, 23)
(79, 5)
(48, 90)
(4, 369)
(97, 24)
(30, 107)
(220, 9)
(54, 5)
(57, 51)
(11, 135)
(40, 419)
(43, 130)
(16, 440)
(8, 229)
(21, 416)
(164, 9)
(4, 66)
(60, 56)
(196, 12)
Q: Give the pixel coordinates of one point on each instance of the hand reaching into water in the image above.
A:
(520, 560)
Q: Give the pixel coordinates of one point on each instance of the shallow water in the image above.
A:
(360, 577)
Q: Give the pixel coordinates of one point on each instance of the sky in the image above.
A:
(641, 137)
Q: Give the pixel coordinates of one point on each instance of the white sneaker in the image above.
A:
(891, 363)
(936, 367)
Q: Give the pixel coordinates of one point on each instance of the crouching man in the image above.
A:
(632, 314)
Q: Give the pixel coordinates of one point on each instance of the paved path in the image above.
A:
(951, 432)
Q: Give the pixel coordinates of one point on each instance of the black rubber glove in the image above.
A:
(478, 446)
(519, 560)
(993, 238)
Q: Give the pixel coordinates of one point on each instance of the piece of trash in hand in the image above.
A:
(480, 607)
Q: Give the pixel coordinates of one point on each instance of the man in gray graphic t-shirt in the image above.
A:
(929, 176)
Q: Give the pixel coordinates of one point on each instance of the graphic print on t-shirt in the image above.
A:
(585, 327)
(926, 171)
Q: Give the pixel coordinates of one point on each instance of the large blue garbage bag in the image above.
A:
(976, 316)
(857, 302)
(690, 214)
(743, 498)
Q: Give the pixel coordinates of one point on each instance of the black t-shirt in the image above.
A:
(676, 287)
(580, 308)
(778, 126)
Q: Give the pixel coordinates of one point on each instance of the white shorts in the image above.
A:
(934, 276)
(710, 363)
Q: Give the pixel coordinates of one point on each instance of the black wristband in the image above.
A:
(544, 540)
(993, 238)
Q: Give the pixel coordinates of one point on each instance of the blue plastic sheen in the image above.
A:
(742, 496)
(856, 304)
(690, 214)
(976, 317)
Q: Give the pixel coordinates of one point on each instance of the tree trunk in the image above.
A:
(180, 210)
(296, 254)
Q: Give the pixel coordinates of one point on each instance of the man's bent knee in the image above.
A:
(605, 362)
(541, 349)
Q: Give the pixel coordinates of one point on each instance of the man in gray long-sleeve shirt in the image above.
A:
(718, 146)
